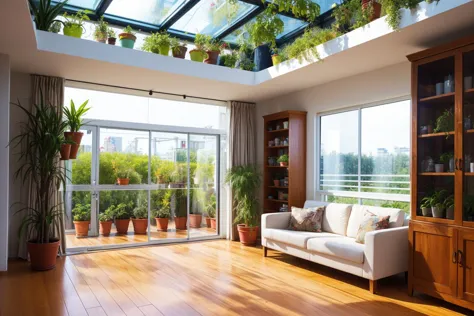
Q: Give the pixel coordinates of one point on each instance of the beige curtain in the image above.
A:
(52, 90)
(242, 134)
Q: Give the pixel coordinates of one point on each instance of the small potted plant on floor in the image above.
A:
(127, 38)
(181, 209)
(178, 49)
(101, 30)
(449, 206)
(157, 43)
(199, 54)
(73, 117)
(195, 219)
(111, 36)
(283, 160)
(106, 220)
(163, 212)
(211, 211)
(122, 214)
(140, 219)
(74, 24)
(244, 182)
(45, 13)
(82, 219)
(213, 49)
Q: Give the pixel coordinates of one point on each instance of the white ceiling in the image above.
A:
(346, 56)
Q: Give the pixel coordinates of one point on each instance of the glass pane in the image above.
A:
(203, 165)
(468, 113)
(86, 4)
(385, 142)
(210, 17)
(80, 169)
(339, 160)
(326, 5)
(404, 206)
(75, 201)
(169, 202)
(148, 11)
(123, 156)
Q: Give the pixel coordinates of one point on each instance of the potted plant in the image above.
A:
(157, 43)
(283, 160)
(178, 49)
(426, 206)
(228, 60)
(82, 219)
(122, 214)
(101, 30)
(65, 148)
(276, 180)
(45, 14)
(449, 206)
(195, 219)
(181, 209)
(39, 144)
(445, 122)
(447, 158)
(74, 24)
(213, 49)
(198, 54)
(55, 27)
(122, 172)
(244, 182)
(111, 36)
(211, 211)
(140, 219)
(163, 212)
(276, 58)
(74, 121)
(127, 38)
(372, 8)
(178, 177)
(437, 203)
(106, 220)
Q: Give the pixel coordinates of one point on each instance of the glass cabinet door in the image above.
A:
(468, 137)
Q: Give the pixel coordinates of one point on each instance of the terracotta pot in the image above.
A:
(284, 164)
(247, 235)
(111, 40)
(195, 220)
(140, 225)
(102, 40)
(82, 228)
(180, 223)
(208, 222)
(179, 52)
(127, 36)
(65, 151)
(212, 56)
(76, 137)
(213, 223)
(105, 228)
(276, 183)
(162, 223)
(376, 7)
(43, 256)
(123, 181)
(122, 226)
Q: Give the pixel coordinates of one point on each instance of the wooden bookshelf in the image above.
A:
(295, 149)
(438, 98)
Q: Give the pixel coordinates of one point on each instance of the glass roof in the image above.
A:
(86, 4)
(211, 17)
(326, 4)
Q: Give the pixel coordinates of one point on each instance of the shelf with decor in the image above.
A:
(284, 150)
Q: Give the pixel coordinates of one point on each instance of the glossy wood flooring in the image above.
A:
(205, 278)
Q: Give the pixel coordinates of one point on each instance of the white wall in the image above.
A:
(379, 85)
(4, 157)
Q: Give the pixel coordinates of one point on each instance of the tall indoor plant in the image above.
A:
(244, 182)
(74, 121)
(39, 144)
(45, 13)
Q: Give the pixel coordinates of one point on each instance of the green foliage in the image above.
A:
(140, 212)
(111, 33)
(76, 19)
(74, 116)
(101, 29)
(45, 13)
(449, 201)
(393, 10)
(200, 41)
(124, 170)
(436, 199)
(129, 30)
(223, 12)
(82, 212)
(153, 42)
(305, 46)
(163, 205)
(214, 45)
(55, 27)
(246, 64)
(107, 215)
(176, 44)
(180, 198)
(306, 9)
(122, 211)
(283, 158)
(265, 28)
(244, 181)
(229, 60)
(351, 14)
(445, 157)
(38, 145)
(211, 206)
(445, 122)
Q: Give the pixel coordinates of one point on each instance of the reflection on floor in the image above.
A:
(114, 239)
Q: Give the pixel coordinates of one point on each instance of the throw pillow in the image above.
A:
(370, 223)
(307, 219)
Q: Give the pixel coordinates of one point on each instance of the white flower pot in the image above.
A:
(439, 167)
(426, 211)
(438, 212)
(450, 213)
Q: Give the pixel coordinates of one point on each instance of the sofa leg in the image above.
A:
(265, 251)
(373, 286)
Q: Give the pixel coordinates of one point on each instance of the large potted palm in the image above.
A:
(74, 119)
(39, 145)
(244, 182)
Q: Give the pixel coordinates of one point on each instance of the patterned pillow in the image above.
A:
(370, 223)
(307, 219)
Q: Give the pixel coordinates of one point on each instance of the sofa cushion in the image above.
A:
(291, 237)
(338, 246)
(306, 219)
(371, 223)
(397, 217)
(336, 218)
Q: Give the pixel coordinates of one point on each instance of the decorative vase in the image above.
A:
(179, 52)
(75, 137)
(286, 124)
(127, 40)
(82, 228)
(451, 165)
(195, 220)
(448, 84)
(439, 167)
(162, 224)
(212, 56)
(122, 226)
(74, 30)
(140, 225)
(180, 223)
(43, 256)
(65, 151)
(197, 55)
(105, 228)
(439, 88)
(262, 57)
(247, 235)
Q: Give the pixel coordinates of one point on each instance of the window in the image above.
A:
(364, 155)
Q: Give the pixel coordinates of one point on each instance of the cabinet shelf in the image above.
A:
(277, 187)
(469, 90)
(277, 166)
(277, 201)
(469, 131)
(279, 130)
(281, 146)
(437, 134)
(439, 98)
(441, 174)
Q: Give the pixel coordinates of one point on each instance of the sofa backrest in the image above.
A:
(335, 218)
(397, 217)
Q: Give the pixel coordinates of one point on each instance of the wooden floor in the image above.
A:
(205, 278)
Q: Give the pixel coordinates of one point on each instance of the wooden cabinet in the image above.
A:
(284, 185)
(441, 231)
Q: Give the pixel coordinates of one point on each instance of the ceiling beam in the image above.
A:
(178, 14)
(102, 7)
(240, 22)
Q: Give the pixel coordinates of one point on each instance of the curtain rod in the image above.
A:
(150, 92)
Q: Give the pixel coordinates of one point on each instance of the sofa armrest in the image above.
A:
(386, 252)
(276, 220)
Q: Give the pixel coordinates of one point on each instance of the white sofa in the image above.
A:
(384, 253)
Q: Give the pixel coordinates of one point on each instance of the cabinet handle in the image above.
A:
(454, 257)
(460, 164)
(460, 258)
(456, 164)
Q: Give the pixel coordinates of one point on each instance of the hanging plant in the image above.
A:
(265, 28)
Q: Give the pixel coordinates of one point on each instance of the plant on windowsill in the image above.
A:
(213, 48)
(229, 60)
(55, 27)
(447, 158)
(211, 212)
(111, 36)
(125, 174)
(74, 24)
(127, 38)
(106, 220)
(101, 30)
(180, 209)
(162, 213)
(244, 182)
(140, 219)
(353, 14)
(73, 118)
(199, 53)
(82, 219)
(65, 148)
(178, 49)
(445, 122)
(45, 14)
(157, 43)
(283, 160)
(195, 212)
(39, 144)
(122, 214)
